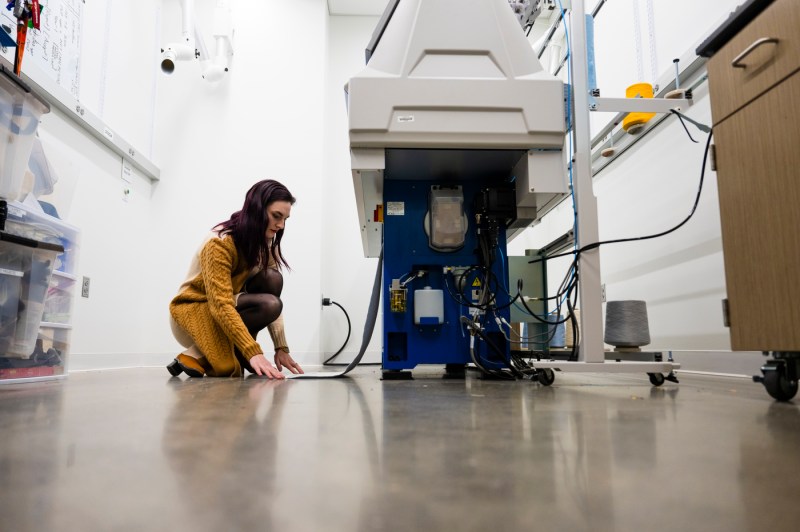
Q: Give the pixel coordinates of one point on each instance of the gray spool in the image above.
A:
(559, 335)
(626, 324)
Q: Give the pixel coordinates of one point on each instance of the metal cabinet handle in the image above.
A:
(737, 61)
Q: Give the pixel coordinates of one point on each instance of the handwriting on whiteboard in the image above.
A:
(55, 48)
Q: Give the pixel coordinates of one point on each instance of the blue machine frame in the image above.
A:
(406, 250)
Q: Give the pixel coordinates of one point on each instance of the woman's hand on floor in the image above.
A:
(264, 367)
(284, 360)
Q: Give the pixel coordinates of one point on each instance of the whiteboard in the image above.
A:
(55, 48)
(53, 66)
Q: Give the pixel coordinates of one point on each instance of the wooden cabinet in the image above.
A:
(759, 57)
(755, 101)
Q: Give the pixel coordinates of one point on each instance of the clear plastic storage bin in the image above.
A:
(58, 303)
(22, 315)
(10, 284)
(20, 111)
(48, 360)
(26, 221)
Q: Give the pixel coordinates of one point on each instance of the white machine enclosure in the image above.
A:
(465, 84)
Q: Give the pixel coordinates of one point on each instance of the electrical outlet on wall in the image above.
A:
(85, 287)
(603, 292)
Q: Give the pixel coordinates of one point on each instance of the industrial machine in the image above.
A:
(456, 138)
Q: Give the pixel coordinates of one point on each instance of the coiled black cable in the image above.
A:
(327, 302)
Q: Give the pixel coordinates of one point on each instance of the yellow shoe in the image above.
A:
(185, 364)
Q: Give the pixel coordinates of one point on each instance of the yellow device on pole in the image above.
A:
(633, 123)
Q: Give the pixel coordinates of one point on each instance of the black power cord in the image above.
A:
(326, 302)
(596, 245)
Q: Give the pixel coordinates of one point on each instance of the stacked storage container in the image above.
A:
(37, 252)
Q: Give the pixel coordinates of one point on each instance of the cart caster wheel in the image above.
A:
(656, 379)
(546, 377)
(396, 375)
(778, 385)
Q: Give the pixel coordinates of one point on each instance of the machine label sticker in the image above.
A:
(405, 118)
(476, 282)
(395, 208)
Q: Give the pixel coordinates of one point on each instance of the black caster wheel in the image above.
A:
(396, 375)
(455, 371)
(656, 379)
(779, 386)
(546, 376)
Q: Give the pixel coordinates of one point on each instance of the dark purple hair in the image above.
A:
(248, 227)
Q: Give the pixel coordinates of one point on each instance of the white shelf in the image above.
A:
(65, 275)
(54, 325)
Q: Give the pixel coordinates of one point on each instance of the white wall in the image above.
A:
(678, 25)
(211, 143)
(347, 276)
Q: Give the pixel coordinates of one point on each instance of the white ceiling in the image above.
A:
(376, 8)
(357, 7)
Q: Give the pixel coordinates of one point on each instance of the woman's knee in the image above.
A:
(268, 281)
(272, 304)
(259, 310)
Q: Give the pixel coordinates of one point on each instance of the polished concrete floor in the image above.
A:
(135, 450)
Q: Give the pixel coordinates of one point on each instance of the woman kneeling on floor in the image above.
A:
(233, 291)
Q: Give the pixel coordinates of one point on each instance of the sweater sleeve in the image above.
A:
(217, 264)
(277, 333)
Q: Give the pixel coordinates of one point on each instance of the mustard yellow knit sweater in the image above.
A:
(206, 310)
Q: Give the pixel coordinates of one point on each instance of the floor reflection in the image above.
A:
(494, 445)
(30, 457)
(134, 450)
(220, 440)
(767, 450)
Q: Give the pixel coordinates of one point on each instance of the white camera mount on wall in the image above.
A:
(191, 46)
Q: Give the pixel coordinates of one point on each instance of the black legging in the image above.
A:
(260, 305)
